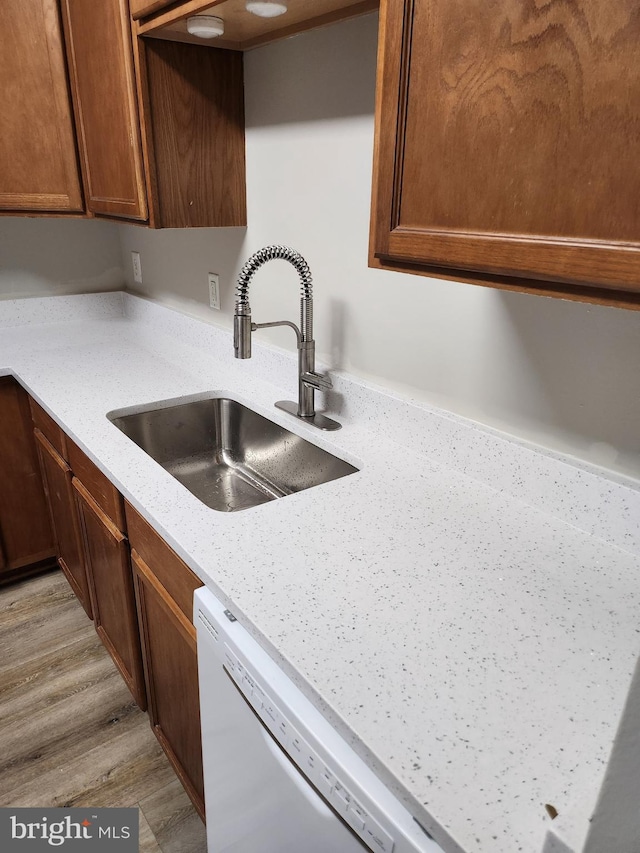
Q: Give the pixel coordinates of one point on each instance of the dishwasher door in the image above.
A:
(278, 778)
(257, 800)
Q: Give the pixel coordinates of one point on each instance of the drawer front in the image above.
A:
(49, 428)
(98, 485)
(174, 575)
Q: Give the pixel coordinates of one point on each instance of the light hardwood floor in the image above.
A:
(70, 733)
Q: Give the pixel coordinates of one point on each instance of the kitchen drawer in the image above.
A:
(49, 428)
(174, 575)
(98, 485)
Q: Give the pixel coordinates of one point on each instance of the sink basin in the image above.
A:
(229, 456)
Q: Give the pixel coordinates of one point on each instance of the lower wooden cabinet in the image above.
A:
(88, 519)
(137, 590)
(171, 671)
(111, 590)
(26, 538)
(57, 477)
(164, 587)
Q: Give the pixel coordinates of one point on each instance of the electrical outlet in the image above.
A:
(137, 267)
(214, 290)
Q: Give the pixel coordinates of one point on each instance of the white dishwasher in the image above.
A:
(278, 778)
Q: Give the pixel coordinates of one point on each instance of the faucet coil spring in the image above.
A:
(284, 253)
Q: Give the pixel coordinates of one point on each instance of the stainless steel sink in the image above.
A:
(229, 456)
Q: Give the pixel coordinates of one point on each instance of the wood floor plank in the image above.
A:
(33, 596)
(29, 629)
(175, 825)
(52, 677)
(116, 773)
(26, 593)
(70, 734)
(147, 842)
(42, 741)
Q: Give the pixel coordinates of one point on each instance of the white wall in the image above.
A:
(43, 257)
(562, 374)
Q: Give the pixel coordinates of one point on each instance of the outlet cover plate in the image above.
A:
(214, 290)
(137, 267)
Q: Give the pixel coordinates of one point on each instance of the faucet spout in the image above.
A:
(308, 380)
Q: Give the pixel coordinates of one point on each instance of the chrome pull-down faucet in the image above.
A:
(308, 380)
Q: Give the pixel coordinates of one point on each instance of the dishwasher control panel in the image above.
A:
(321, 776)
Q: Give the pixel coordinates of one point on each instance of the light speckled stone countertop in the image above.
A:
(464, 609)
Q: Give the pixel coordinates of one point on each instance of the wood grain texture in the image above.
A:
(172, 573)
(520, 284)
(8, 576)
(140, 8)
(175, 824)
(147, 842)
(38, 615)
(111, 589)
(26, 535)
(70, 701)
(193, 107)
(177, 10)
(63, 512)
(244, 31)
(505, 142)
(69, 732)
(38, 159)
(98, 40)
(49, 429)
(171, 675)
(101, 489)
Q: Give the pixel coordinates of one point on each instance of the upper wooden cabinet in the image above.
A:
(161, 126)
(193, 124)
(102, 77)
(507, 141)
(38, 160)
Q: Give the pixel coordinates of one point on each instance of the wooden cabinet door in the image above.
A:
(25, 529)
(171, 672)
(507, 143)
(104, 93)
(111, 589)
(64, 516)
(38, 160)
(193, 113)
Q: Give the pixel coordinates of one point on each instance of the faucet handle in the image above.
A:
(317, 381)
